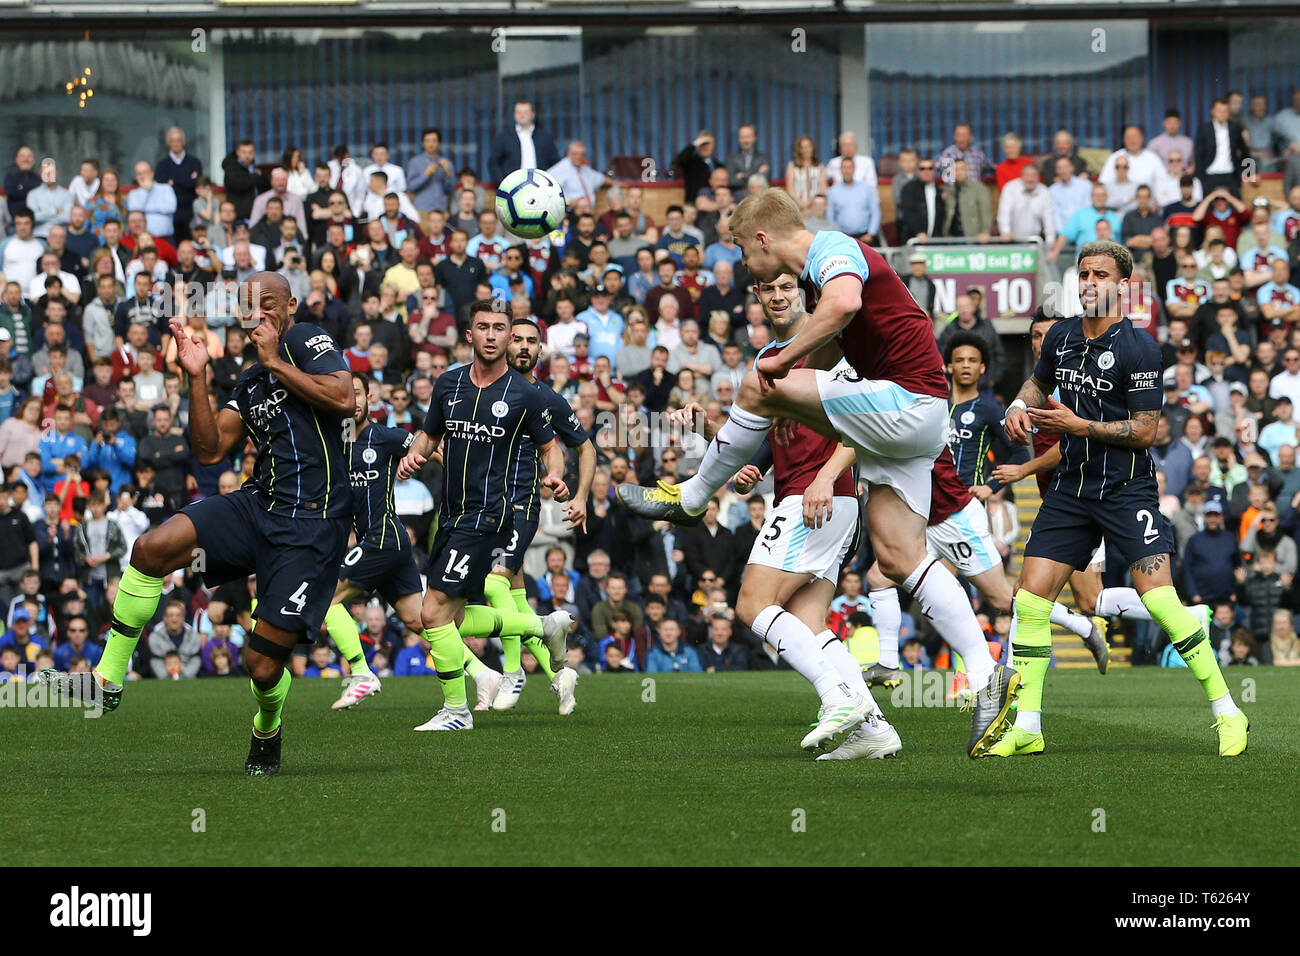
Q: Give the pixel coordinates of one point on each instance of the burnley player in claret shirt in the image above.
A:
(1109, 377)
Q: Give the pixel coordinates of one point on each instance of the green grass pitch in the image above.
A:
(708, 773)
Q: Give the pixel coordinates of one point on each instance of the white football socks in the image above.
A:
(1062, 616)
(729, 451)
(794, 641)
(947, 605)
(1121, 602)
(887, 617)
(842, 659)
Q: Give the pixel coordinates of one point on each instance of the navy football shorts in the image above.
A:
(1068, 529)
(296, 560)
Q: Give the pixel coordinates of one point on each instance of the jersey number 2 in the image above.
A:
(1150, 532)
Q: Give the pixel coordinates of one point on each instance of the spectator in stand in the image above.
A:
(20, 252)
(747, 159)
(1025, 210)
(864, 167)
(243, 181)
(921, 213)
(524, 145)
(1185, 292)
(1063, 147)
(854, 204)
(1283, 643)
(966, 320)
(967, 210)
(1171, 138)
(669, 653)
(290, 204)
(1145, 167)
(1211, 559)
(1279, 299)
(718, 653)
(1013, 149)
(805, 176)
(49, 202)
(172, 635)
(576, 176)
(379, 162)
(21, 180)
(963, 147)
(675, 239)
(818, 218)
(1138, 222)
(1258, 125)
(1082, 226)
(181, 171)
(1223, 209)
(1220, 151)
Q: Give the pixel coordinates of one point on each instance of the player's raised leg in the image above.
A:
(156, 553)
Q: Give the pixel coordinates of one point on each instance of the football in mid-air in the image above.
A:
(530, 203)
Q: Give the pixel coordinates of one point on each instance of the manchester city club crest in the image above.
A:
(1105, 360)
(967, 418)
(369, 456)
(499, 409)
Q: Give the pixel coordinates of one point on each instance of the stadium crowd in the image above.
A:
(640, 317)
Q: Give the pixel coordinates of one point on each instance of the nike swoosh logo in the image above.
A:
(451, 580)
(285, 610)
(456, 402)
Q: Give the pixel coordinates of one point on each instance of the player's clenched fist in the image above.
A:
(267, 340)
(409, 465)
(558, 488)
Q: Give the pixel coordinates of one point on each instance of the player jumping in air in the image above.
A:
(959, 526)
(1085, 584)
(887, 399)
(795, 561)
(504, 587)
(481, 412)
(1109, 377)
(288, 524)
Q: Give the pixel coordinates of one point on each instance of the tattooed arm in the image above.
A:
(1136, 431)
(1033, 394)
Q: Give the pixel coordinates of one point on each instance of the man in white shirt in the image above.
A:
(84, 186)
(1287, 382)
(1144, 166)
(379, 157)
(49, 202)
(575, 175)
(561, 333)
(345, 176)
(1025, 210)
(864, 167)
(20, 253)
(1069, 193)
(49, 268)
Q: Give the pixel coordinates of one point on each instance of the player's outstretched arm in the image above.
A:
(1136, 431)
(1010, 473)
(1033, 394)
(213, 437)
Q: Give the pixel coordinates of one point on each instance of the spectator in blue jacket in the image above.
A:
(1174, 458)
(56, 444)
(1210, 560)
(670, 654)
(112, 450)
(76, 632)
(413, 660)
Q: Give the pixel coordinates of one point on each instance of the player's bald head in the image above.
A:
(277, 283)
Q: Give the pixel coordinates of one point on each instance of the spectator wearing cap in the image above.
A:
(1287, 382)
(22, 638)
(1210, 560)
(604, 325)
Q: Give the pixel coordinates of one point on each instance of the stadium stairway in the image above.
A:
(1067, 649)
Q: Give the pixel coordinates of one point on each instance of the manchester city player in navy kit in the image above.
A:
(288, 524)
(381, 559)
(504, 587)
(1109, 376)
(481, 412)
(975, 435)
